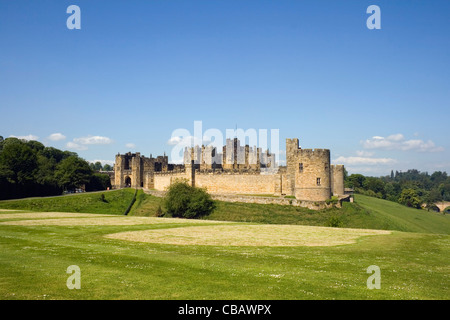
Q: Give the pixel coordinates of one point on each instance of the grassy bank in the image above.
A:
(365, 212)
(112, 202)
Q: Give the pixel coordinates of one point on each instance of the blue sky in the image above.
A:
(138, 70)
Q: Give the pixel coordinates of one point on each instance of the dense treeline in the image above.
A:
(28, 168)
(411, 188)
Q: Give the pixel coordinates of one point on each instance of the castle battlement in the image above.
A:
(308, 174)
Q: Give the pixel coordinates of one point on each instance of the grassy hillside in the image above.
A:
(366, 212)
(114, 202)
(394, 216)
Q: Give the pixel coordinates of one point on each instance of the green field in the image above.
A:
(120, 257)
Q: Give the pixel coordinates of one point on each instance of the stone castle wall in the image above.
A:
(308, 174)
(337, 180)
(238, 183)
(312, 178)
(161, 181)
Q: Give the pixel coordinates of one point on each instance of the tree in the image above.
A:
(374, 184)
(432, 197)
(438, 177)
(185, 201)
(97, 166)
(18, 162)
(444, 189)
(410, 198)
(73, 172)
(356, 180)
(98, 181)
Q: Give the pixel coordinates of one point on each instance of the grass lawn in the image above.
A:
(37, 248)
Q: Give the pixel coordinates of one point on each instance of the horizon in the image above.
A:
(137, 74)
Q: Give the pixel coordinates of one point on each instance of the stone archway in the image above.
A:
(127, 182)
(434, 208)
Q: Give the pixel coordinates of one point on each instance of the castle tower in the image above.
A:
(292, 148)
(312, 177)
(337, 180)
(123, 174)
(136, 179)
(118, 167)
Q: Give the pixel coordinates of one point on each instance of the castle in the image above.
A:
(307, 176)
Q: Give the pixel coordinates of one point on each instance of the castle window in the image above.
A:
(300, 167)
(318, 181)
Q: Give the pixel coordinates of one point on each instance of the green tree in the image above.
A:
(185, 201)
(432, 197)
(444, 189)
(73, 172)
(356, 180)
(410, 198)
(98, 181)
(97, 166)
(374, 184)
(438, 177)
(18, 162)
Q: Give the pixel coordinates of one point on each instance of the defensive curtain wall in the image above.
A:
(308, 175)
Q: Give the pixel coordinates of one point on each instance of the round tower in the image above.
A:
(312, 175)
(337, 177)
(292, 152)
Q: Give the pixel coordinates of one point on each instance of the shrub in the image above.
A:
(334, 200)
(335, 221)
(410, 198)
(102, 198)
(185, 201)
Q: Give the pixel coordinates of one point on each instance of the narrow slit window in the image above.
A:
(300, 167)
(318, 181)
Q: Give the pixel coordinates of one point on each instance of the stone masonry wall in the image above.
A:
(239, 183)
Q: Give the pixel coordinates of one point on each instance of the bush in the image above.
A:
(410, 198)
(335, 222)
(334, 200)
(185, 201)
(102, 198)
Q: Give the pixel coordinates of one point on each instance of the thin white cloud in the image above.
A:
(28, 137)
(130, 145)
(75, 146)
(56, 137)
(93, 140)
(398, 142)
(174, 141)
(367, 170)
(362, 153)
(363, 160)
(187, 141)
